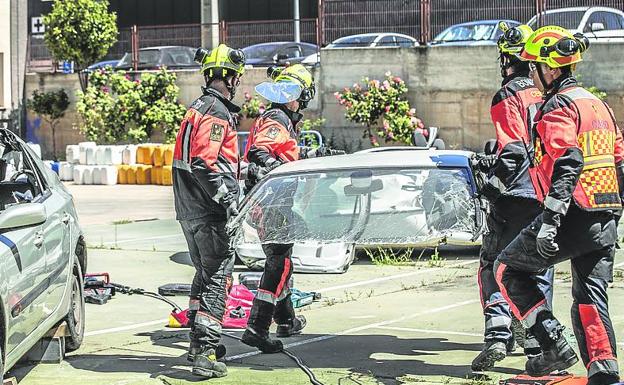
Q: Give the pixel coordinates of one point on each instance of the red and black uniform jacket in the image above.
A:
(273, 137)
(509, 114)
(578, 153)
(206, 159)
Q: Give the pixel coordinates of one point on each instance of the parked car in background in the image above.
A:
(43, 254)
(267, 54)
(172, 57)
(372, 40)
(599, 24)
(103, 64)
(483, 32)
(401, 198)
(312, 60)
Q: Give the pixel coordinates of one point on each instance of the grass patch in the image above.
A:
(435, 260)
(122, 222)
(389, 257)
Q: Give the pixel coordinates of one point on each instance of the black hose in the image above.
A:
(300, 364)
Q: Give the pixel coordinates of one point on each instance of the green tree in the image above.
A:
(115, 108)
(81, 31)
(51, 106)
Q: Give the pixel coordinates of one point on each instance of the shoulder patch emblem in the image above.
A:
(272, 132)
(216, 133)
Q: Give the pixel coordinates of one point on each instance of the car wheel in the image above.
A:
(76, 317)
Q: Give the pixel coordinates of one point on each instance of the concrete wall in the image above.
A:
(450, 87)
(5, 54)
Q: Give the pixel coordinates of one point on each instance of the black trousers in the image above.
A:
(507, 217)
(588, 240)
(272, 300)
(213, 259)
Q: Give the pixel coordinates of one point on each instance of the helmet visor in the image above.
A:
(280, 92)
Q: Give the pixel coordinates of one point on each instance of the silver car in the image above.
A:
(43, 254)
(400, 198)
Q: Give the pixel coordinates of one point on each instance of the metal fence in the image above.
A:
(421, 19)
(243, 34)
(347, 17)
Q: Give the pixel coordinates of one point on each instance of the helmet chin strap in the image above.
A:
(540, 72)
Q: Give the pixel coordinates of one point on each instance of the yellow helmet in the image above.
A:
(555, 46)
(289, 83)
(513, 39)
(221, 62)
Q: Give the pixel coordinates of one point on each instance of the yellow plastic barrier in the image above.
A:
(122, 174)
(158, 157)
(132, 175)
(145, 152)
(144, 174)
(169, 154)
(157, 175)
(167, 178)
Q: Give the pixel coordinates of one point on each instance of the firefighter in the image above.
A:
(577, 165)
(273, 141)
(206, 192)
(512, 202)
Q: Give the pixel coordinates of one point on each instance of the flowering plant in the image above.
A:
(381, 106)
(252, 107)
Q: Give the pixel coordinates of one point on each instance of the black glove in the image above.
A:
(486, 162)
(546, 245)
(322, 151)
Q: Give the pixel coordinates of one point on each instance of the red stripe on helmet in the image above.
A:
(545, 35)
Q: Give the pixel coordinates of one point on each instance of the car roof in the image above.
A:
(488, 21)
(374, 34)
(165, 47)
(278, 43)
(392, 159)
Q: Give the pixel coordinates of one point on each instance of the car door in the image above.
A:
(56, 235)
(604, 27)
(23, 264)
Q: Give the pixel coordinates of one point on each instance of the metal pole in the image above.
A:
(297, 21)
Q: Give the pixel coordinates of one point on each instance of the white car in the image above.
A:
(372, 40)
(599, 24)
(43, 254)
(396, 198)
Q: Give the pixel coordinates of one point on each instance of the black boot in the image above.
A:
(206, 364)
(261, 340)
(493, 352)
(195, 348)
(603, 379)
(557, 354)
(295, 326)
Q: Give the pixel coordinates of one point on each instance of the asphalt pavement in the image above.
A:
(374, 324)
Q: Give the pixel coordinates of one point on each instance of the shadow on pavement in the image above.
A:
(385, 356)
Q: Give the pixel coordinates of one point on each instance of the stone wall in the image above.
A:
(450, 87)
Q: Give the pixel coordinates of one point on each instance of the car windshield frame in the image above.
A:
(265, 50)
(378, 203)
(126, 61)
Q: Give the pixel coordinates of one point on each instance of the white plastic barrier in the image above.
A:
(87, 175)
(72, 153)
(100, 155)
(107, 175)
(115, 154)
(129, 155)
(86, 156)
(36, 148)
(66, 171)
(96, 175)
(79, 174)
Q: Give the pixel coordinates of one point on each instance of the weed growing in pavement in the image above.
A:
(388, 257)
(618, 274)
(435, 260)
(103, 247)
(330, 301)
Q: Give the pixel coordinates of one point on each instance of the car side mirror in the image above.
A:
(23, 215)
(362, 183)
(595, 27)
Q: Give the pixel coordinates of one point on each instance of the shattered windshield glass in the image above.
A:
(410, 206)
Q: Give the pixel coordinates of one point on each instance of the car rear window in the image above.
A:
(354, 41)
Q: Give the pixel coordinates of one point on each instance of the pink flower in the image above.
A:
(341, 101)
(411, 112)
(386, 125)
(390, 136)
(348, 104)
(338, 95)
(346, 89)
(127, 77)
(247, 96)
(386, 84)
(387, 108)
(261, 109)
(105, 90)
(137, 81)
(397, 79)
(375, 83)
